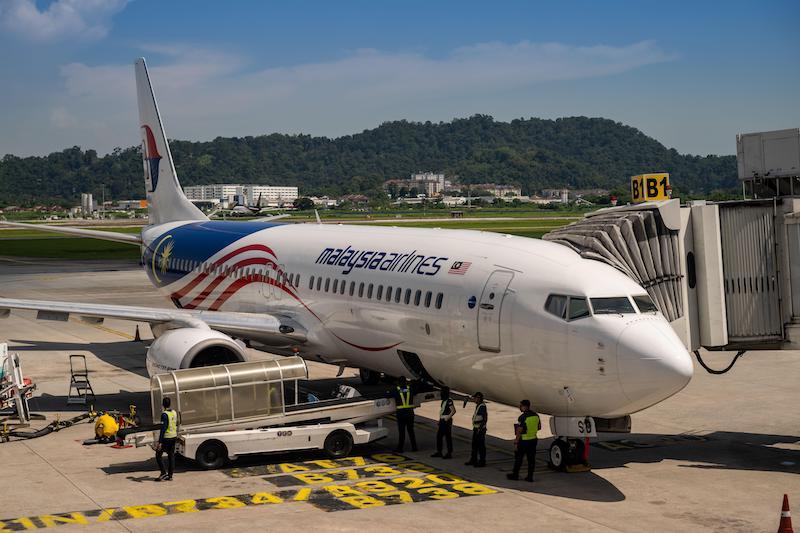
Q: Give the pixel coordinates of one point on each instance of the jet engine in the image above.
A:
(190, 348)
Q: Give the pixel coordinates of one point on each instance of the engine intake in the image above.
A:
(191, 348)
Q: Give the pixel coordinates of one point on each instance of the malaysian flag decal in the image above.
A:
(459, 267)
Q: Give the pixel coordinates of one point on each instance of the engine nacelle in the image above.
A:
(190, 348)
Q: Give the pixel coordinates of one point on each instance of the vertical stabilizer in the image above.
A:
(165, 199)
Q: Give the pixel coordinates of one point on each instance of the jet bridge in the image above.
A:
(726, 275)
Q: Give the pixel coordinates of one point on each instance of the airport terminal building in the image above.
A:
(245, 194)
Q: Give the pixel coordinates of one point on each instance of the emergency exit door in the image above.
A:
(489, 308)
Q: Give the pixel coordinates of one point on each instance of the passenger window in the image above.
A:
(397, 292)
(352, 288)
(379, 293)
(439, 300)
(342, 287)
(417, 296)
(361, 290)
(556, 305)
(327, 284)
(578, 308)
(297, 281)
(369, 291)
(407, 299)
(389, 294)
(428, 296)
(336, 285)
(319, 282)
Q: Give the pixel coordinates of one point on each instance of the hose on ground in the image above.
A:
(714, 371)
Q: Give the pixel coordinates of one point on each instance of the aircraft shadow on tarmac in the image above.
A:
(120, 401)
(719, 450)
(126, 355)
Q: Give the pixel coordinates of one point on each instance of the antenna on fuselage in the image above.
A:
(316, 214)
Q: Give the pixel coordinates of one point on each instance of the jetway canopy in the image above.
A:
(639, 243)
(722, 274)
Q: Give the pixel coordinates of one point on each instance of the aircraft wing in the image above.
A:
(128, 238)
(262, 327)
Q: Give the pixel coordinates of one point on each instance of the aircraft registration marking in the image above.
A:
(416, 482)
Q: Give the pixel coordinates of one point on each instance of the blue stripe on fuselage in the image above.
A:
(197, 242)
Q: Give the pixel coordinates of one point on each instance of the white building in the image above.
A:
(233, 193)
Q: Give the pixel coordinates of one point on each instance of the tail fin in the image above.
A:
(165, 199)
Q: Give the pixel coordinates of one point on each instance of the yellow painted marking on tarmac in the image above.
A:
(364, 494)
(103, 328)
(302, 495)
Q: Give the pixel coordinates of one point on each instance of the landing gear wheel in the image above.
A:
(369, 377)
(338, 444)
(576, 452)
(558, 455)
(211, 454)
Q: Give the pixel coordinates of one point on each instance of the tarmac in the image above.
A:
(717, 456)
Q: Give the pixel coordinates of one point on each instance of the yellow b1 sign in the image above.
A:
(650, 187)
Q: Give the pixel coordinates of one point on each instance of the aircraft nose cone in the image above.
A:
(653, 362)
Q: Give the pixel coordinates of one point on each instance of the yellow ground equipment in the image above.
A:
(105, 427)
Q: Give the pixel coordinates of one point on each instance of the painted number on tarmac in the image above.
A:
(339, 490)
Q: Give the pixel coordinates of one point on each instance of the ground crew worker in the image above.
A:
(404, 401)
(166, 441)
(445, 432)
(477, 457)
(525, 440)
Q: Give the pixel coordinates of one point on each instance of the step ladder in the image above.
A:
(79, 387)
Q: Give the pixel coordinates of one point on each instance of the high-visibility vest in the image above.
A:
(405, 398)
(531, 428)
(172, 425)
(445, 408)
(477, 424)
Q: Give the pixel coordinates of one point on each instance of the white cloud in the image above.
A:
(61, 118)
(203, 94)
(62, 19)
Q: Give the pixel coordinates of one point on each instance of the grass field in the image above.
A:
(31, 243)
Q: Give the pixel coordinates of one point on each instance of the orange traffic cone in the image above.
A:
(136, 337)
(786, 517)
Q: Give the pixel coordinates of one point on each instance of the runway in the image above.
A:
(717, 456)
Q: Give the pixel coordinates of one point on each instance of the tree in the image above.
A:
(303, 203)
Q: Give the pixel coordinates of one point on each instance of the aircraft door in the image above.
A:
(489, 309)
(267, 281)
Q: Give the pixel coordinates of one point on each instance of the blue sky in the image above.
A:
(690, 74)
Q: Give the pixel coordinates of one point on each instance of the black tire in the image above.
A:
(369, 377)
(557, 458)
(576, 452)
(338, 444)
(211, 454)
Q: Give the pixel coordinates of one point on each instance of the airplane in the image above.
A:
(242, 209)
(509, 316)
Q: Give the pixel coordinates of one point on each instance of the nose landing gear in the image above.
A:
(566, 453)
(569, 451)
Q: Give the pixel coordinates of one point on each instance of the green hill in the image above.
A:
(577, 152)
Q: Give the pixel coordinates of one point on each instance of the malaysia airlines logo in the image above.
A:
(459, 267)
(151, 158)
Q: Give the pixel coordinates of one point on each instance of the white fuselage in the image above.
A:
(469, 305)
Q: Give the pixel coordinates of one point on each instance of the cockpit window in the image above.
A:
(645, 304)
(618, 305)
(556, 305)
(578, 308)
